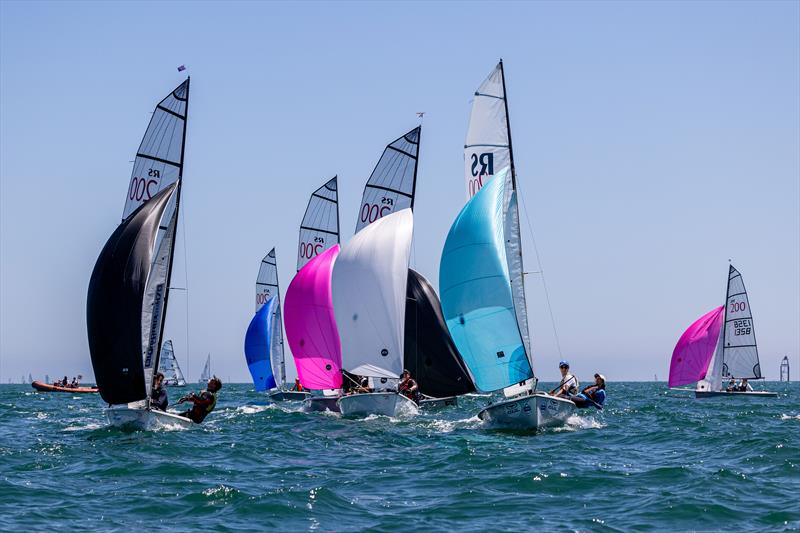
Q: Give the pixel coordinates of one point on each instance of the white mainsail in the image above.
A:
(266, 288)
(159, 160)
(320, 227)
(206, 375)
(369, 296)
(391, 185)
(739, 352)
(155, 295)
(168, 366)
(487, 149)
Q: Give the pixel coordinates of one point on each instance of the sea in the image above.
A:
(653, 460)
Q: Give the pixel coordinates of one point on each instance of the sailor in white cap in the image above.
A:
(569, 383)
(593, 395)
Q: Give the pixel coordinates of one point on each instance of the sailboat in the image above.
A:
(429, 352)
(127, 300)
(389, 189)
(205, 375)
(369, 289)
(726, 335)
(481, 273)
(173, 377)
(310, 322)
(263, 344)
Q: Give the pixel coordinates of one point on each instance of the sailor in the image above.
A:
(732, 386)
(297, 385)
(158, 396)
(204, 402)
(593, 395)
(569, 383)
(74, 383)
(744, 386)
(64, 382)
(408, 387)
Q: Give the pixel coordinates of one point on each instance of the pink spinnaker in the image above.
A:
(311, 326)
(695, 349)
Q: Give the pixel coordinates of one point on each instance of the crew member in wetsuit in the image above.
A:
(408, 387)
(204, 402)
(297, 385)
(158, 396)
(593, 395)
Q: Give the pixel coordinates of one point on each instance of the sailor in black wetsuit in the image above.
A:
(408, 387)
(158, 396)
(204, 402)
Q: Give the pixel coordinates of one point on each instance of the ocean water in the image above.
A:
(649, 462)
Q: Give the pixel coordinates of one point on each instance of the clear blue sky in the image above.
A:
(653, 141)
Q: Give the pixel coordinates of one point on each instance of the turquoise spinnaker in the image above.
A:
(257, 343)
(475, 288)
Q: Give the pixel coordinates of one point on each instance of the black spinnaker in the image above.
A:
(115, 298)
(430, 354)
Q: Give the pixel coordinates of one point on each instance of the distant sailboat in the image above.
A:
(310, 322)
(128, 293)
(727, 335)
(481, 273)
(369, 296)
(168, 365)
(205, 375)
(263, 345)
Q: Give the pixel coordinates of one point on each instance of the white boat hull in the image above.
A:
(740, 394)
(532, 412)
(288, 396)
(321, 403)
(137, 417)
(377, 403)
(438, 403)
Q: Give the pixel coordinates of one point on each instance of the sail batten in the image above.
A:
(319, 229)
(392, 184)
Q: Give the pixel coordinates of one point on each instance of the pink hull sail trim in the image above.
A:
(311, 326)
(695, 348)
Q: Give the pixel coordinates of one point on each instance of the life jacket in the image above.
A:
(199, 412)
(599, 396)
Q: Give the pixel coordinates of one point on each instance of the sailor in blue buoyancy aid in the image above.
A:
(593, 395)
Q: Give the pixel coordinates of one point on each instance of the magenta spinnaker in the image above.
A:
(695, 349)
(311, 325)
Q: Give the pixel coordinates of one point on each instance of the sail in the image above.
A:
(277, 355)
(429, 352)
(155, 297)
(267, 279)
(115, 302)
(695, 348)
(159, 160)
(476, 292)
(487, 147)
(320, 227)
(391, 185)
(311, 324)
(739, 353)
(257, 346)
(206, 374)
(369, 296)
(168, 365)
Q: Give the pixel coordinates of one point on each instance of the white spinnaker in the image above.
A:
(155, 293)
(487, 147)
(740, 353)
(514, 259)
(391, 185)
(320, 227)
(267, 279)
(369, 296)
(159, 160)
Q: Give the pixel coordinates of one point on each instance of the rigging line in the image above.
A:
(186, 282)
(541, 271)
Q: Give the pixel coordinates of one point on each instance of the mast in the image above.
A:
(174, 241)
(416, 167)
(508, 129)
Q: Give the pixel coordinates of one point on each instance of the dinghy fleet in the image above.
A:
(356, 316)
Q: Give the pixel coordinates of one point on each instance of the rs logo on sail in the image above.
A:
(486, 162)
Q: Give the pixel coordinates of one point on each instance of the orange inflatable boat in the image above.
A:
(46, 387)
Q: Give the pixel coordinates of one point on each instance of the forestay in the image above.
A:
(476, 290)
(695, 348)
(369, 296)
(320, 227)
(159, 160)
(487, 147)
(311, 325)
(115, 301)
(740, 353)
(391, 185)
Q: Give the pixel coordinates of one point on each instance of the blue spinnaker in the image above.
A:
(257, 344)
(475, 288)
